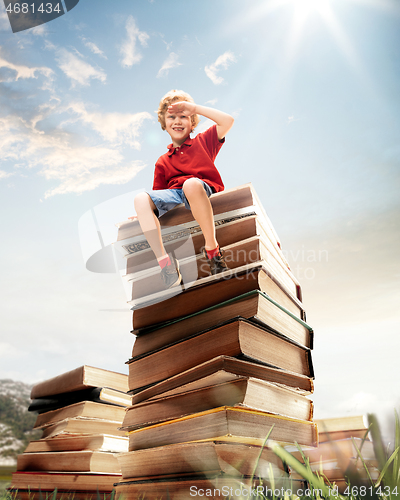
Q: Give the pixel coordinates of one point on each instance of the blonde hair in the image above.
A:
(169, 98)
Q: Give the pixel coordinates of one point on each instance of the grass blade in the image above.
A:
(315, 481)
(259, 455)
(396, 467)
(362, 461)
(376, 435)
(384, 469)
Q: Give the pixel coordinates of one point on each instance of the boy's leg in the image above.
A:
(150, 226)
(149, 223)
(202, 210)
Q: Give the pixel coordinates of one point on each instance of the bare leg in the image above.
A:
(149, 223)
(202, 210)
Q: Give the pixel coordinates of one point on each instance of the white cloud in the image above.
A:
(49, 45)
(78, 70)
(7, 349)
(93, 47)
(86, 168)
(203, 126)
(116, 128)
(4, 22)
(39, 30)
(170, 62)
(129, 49)
(292, 119)
(212, 102)
(11, 138)
(168, 45)
(4, 175)
(40, 138)
(62, 157)
(222, 62)
(19, 71)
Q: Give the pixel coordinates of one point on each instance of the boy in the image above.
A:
(185, 174)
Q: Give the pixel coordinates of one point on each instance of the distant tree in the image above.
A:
(19, 421)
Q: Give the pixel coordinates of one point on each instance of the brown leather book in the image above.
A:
(212, 291)
(237, 338)
(244, 392)
(223, 369)
(68, 481)
(71, 461)
(254, 306)
(80, 378)
(207, 457)
(225, 424)
(193, 268)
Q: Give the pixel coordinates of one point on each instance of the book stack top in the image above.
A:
(243, 231)
(221, 361)
(79, 414)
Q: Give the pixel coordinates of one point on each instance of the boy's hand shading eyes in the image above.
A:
(189, 108)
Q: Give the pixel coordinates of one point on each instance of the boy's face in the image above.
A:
(179, 126)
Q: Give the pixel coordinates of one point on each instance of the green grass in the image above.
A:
(385, 487)
(55, 495)
(5, 478)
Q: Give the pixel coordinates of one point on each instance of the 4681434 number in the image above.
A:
(28, 8)
(363, 491)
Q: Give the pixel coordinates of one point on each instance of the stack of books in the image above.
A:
(217, 363)
(343, 454)
(79, 413)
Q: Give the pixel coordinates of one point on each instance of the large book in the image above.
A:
(223, 369)
(212, 487)
(236, 338)
(64, 482)
(69, 461)
(230, 200)
(39, 494)
(336, 428)
(232, 228)
(242, 393)
(93, 442)
(226, 424)
(255, 306)
(82, 410)
(215, 290)
(70, 426)
(207, 457)
(342, 451)
(96, 394)
(78, 379)
(194, 268)
(206, 292)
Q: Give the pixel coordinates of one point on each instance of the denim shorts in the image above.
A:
(167, 199)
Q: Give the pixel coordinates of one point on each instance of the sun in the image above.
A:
(304, 8)
(307, 11)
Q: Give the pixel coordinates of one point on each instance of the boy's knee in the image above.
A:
(141, 200)
(192, 186)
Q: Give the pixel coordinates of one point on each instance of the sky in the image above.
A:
(314, 89)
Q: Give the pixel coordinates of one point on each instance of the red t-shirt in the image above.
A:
(194, 158)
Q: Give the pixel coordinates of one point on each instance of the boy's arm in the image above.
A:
(223, 121)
